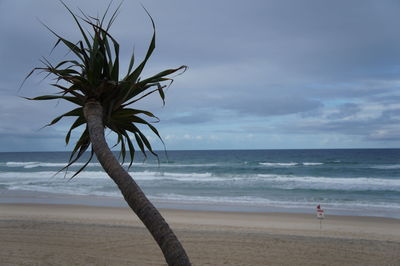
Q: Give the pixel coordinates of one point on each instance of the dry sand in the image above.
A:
(33, 234)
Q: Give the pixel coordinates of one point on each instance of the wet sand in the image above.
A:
(40, 234)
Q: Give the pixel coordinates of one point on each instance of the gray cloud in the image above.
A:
(385, 136)
(386, 99)
(314, 65)
(381, 128)
(345, 110)
(269, 105)
(191, 118)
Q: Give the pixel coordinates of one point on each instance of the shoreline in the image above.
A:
(341, 226)
(56, 234)
(36, 197)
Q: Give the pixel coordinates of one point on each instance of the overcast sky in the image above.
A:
(262, 74)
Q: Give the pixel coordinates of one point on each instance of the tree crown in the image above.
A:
(94, 74)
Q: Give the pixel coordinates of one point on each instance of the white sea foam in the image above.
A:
(386, 166)
(312, 164)
(266, 202)
(180, 177)
(269, 164)
(279, 164)
(19, 164)
(200, 175)
(184, 165)
(26, 175)
(332, 183)
(211, 199)
(63, 189)
(79, 164)
(144, 175)
(265, 180)
(49, 175)
(28, 165)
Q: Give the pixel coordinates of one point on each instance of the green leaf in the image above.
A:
(75, 112)
(127, 112)
(159, 77)
(131, 62)
(75, 49)
(79, 25)
(84, 166)
(161, 92)
(114, 16)
(78, 122)
(123, 150)
(141, 97)
(140, 144)
(115, 68)
(136, 73)
(147, 143)
(54, 97)
(80, 147)
(131, 148)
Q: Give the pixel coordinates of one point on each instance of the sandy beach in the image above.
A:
(39, 234)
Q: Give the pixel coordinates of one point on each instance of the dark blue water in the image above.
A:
(351, 181)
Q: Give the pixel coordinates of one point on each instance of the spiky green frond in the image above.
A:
(94, 73)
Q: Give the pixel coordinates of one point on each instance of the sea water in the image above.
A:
(342, 181)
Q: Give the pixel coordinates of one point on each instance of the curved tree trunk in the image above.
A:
(173, 251)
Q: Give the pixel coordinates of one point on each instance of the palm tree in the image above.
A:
(91, 81)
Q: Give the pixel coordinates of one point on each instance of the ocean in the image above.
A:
(343, 181)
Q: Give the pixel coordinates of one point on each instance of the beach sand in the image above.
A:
(39, 234)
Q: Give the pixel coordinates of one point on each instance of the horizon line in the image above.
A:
(262, 149)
